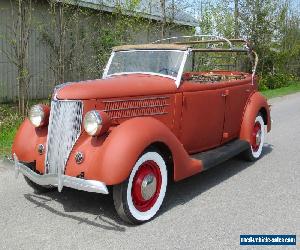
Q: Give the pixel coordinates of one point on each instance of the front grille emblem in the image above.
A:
(41, 149)
(79, 157)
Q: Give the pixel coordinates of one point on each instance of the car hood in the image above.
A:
(117, 86)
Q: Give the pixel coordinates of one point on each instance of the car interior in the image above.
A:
(215, 59)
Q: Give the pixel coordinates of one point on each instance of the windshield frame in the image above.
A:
(177, 79)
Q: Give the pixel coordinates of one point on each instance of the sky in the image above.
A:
(194, 6)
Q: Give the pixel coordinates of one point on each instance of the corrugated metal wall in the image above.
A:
(7, 70)
(41, 83)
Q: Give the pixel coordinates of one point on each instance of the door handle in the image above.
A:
(225, 93)
(248, 90)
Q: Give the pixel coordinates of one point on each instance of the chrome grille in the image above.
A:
(63, 131)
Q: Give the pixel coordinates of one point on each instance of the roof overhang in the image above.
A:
(179, 17)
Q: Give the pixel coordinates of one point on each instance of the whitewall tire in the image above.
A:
(257, 140)
(139, 198)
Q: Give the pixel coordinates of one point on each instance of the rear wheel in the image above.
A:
(139, 198)
(257, 140)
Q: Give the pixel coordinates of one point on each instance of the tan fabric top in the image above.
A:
(151, 46)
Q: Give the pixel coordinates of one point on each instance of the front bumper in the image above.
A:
(60, 180)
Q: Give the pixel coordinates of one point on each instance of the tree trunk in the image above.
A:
(164, 18)
(236, 19)
(22, 33)
(61, 66)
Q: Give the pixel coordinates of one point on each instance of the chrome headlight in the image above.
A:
(38, 115)
(95, 122)
(92, 122)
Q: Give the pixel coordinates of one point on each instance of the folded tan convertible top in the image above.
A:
(151, 46)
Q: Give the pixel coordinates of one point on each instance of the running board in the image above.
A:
(223, 153)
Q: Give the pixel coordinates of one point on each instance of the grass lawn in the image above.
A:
(293, 88)
(9, 122)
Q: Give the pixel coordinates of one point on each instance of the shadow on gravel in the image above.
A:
(102, 207)
(182, 192)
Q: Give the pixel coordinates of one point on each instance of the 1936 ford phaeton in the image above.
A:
(153, 115)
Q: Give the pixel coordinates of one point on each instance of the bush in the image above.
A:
(274, 81)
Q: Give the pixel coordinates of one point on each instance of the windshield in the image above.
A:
(160, 62)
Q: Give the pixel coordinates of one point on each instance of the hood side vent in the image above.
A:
(117, 109)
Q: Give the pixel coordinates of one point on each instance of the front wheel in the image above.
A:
(257, 140)
(139, 198)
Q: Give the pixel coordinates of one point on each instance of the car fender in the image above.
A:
(113, 161)
(255, 103)
(26, 141)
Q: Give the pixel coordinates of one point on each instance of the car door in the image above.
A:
(237, 95)
(202, 119)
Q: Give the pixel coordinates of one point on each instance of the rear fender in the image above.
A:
(256, 103)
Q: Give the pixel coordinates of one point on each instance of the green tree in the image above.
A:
(218, 19)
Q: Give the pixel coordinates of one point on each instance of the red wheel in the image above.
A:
(139, 198)
(146, 186)
(256, 136)
(257, 140)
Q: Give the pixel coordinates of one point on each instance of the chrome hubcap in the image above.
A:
(258, 137)
(148, 187)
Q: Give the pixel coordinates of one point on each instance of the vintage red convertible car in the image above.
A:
(155, 116)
